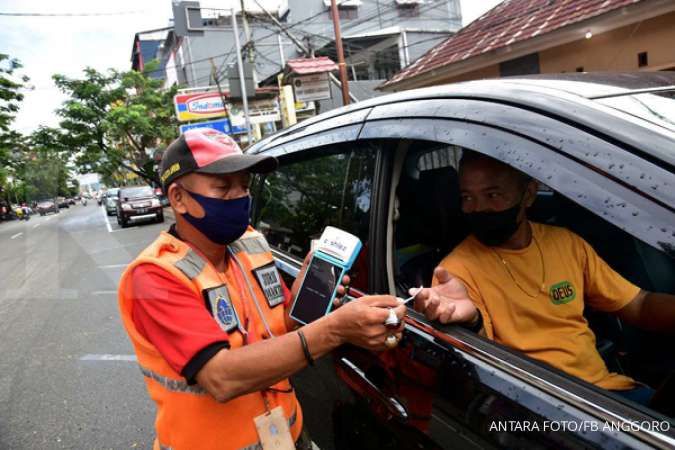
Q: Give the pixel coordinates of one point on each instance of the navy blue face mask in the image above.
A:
(224, 221)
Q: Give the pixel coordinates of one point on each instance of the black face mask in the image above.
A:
(494, 228)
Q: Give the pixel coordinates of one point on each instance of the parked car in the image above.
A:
(62, 202)
(137, 204)
(71, 201)
(110, 201)
(601, 146)
(44, 207)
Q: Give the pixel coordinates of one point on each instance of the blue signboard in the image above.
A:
(222, 125)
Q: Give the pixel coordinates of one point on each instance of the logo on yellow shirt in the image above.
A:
(561, 293)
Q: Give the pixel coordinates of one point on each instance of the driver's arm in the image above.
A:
(651, 311)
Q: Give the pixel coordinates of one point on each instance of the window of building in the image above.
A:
(408, 9)
(387, 63)
(643, 59)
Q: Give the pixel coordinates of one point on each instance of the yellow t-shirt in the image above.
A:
(548, 324)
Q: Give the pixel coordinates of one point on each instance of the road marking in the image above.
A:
(113, 266)
(105, 217)
(36, 225)
(49, 218)
(104, 292)
(16, 235)
(108, 357)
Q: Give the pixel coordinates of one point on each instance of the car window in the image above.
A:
(297, 201)
(136, 192)
(428, 225)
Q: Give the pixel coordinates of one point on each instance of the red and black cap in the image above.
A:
(205, 150)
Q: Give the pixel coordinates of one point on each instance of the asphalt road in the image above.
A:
(68, 378)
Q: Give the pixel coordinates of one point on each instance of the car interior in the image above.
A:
(427, 224)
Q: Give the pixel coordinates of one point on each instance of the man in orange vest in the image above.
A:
(206, 310)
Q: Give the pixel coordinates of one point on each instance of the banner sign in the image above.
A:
(198, 105)
(222, 125)
(259, 111)
(313, 87)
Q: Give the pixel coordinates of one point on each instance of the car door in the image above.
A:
(457, 389)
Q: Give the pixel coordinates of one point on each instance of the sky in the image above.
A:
(66, 45)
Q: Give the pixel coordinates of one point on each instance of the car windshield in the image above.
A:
(657, 109)
(137, 192)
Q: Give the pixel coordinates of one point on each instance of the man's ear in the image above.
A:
(531, 192)
(176, 198)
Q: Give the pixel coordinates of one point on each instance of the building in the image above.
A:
(520, 37)
(380, 36)
(147, 47)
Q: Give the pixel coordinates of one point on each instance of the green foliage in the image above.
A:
(116, 120)
(10, 97)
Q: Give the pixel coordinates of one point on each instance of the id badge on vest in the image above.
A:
(273, 430)
(270, 283)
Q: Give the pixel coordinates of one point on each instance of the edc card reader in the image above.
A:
(333, 256)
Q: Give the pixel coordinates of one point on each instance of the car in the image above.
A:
(62, 202)
(44, 207)
(138, 204)
(385, 169)
(110, 201)
(71, 201)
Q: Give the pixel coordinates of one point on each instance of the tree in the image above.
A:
(10, 100)
(116, 120)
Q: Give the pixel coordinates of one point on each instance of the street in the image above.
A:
(68, 377)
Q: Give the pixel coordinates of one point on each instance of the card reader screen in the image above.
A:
(316, 291)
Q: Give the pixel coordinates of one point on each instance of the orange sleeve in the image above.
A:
(604, 288)
(455, 267)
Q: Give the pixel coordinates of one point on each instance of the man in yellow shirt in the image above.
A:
(525, 284)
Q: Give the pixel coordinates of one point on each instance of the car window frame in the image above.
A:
(291, 264)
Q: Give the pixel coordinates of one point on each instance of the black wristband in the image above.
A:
(478, 325)
(305, 348)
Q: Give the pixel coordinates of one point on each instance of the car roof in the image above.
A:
(552, 93)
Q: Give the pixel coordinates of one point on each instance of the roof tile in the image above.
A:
(510, 22)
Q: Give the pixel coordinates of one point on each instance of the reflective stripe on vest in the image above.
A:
(191, 264)
(251, 245)
(173, 385)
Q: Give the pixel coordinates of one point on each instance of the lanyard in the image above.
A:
(248, 338)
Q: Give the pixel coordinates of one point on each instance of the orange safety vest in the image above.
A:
(187, 416)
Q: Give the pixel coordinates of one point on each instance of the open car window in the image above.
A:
(427, 224)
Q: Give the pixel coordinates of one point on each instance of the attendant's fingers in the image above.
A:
(346, 280)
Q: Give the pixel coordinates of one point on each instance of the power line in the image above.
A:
(34, 14)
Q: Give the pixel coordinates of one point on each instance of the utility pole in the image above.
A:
(340, 53)
(247, 32)
(214, 74)
(242, 80)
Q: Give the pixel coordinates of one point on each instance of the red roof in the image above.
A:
(509, 22)
(305, 66)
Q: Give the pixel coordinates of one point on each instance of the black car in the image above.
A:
(602, 148)
(137, 204)
(62, 202)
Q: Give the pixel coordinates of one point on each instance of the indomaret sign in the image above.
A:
(198, 106)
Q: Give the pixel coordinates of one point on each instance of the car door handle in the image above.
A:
(357, 376)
